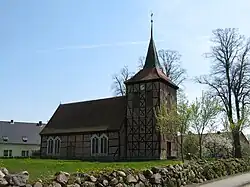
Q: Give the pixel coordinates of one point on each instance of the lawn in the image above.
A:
(41, 169)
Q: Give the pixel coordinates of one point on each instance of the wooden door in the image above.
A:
(169, 149)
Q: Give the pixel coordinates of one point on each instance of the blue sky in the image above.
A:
(65, 51)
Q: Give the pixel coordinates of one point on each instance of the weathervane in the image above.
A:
(151, 17)
(151, 24)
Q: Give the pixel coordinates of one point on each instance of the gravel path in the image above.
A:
(235, 181)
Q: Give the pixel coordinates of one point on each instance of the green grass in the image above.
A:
(43, 169)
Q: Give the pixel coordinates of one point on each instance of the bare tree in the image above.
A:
(141, 62)
(229, 79)
(118, 85)
(169, 59)
(203, 114)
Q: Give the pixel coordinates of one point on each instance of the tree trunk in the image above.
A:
(182, 156)
(200, 146)
(236, 143)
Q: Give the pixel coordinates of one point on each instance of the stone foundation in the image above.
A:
(171, 176)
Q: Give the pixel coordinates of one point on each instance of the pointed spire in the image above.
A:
(152, 60)
(152, 69)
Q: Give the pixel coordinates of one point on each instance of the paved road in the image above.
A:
(235, 181)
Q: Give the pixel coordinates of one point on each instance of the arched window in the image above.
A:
(50, 145)
(57, 145)
(94, 145)
(104, 144)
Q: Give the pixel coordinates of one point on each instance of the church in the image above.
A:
(116, 128)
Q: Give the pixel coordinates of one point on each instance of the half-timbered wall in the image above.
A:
(78, 146)
(143, 141)
(122, 139)
(169, 97)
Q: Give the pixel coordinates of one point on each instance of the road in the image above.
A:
(234, 181)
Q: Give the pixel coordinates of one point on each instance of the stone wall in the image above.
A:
(171, 176)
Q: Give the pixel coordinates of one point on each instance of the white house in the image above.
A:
(19, 139)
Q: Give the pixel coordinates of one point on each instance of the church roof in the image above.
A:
(152, 60)
(151, 74)
(104, 114)
(87, 116)
(152, 69)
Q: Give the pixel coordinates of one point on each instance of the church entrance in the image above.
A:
(169, 149)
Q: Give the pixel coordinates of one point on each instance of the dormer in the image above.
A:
(5, 138)
(24, 138)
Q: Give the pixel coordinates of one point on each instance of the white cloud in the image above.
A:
(96, 46)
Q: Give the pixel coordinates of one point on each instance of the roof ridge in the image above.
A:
(23, 122)
(93, 100)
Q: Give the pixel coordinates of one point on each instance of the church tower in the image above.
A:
(145, 91)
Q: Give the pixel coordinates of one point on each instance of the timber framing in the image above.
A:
(128, 122)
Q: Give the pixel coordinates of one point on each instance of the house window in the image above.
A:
(50, 145)
(10, 153)
(7, 153)
(94, 145)
(104, 144)
(5, 138)
(25, 153)
(57, 145)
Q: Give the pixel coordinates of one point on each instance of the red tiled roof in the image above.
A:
(150, 74)
(95, 115)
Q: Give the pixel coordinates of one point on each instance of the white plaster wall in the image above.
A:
(18, 148)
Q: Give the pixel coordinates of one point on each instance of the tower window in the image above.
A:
(142, 87)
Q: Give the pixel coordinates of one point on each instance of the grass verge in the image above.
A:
(44, 169)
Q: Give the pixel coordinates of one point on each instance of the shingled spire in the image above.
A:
(152, 60)
(152, 69)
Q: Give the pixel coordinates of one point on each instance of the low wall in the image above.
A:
(171, 176)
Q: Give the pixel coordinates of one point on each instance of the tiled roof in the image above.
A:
(87, 116)
(20, 132)
(150, 74)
